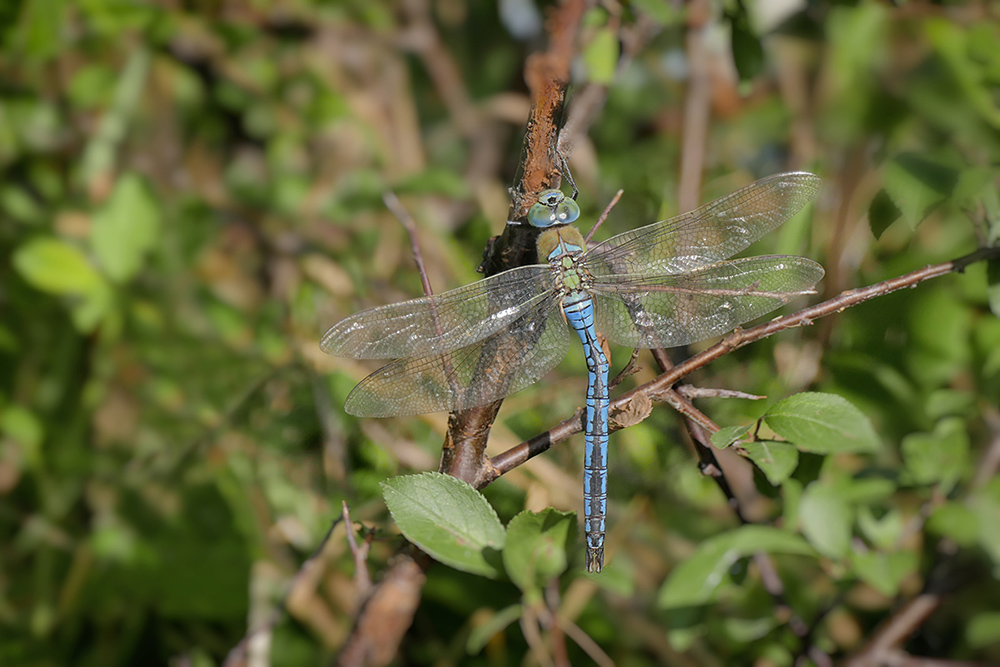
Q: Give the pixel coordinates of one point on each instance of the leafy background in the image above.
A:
(191, 194)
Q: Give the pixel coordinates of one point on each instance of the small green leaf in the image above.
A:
(601, 56)
(955, 521)
(884, 533)
(55, 266)
(939, 456)
(882, 213)
(884, 572)
(448, 519)
(822, 423)
(694, 582)
(777, 460)
(536, 546)
(728, 435)
(993, 285)
(983, 629)
(826, 518)
(125, 228)
(747, 51)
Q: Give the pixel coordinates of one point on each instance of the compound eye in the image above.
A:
(567, 211)
(552, 208)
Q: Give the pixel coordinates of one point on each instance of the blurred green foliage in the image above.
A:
(191, 193)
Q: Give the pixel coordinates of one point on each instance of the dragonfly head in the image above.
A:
(553, 208)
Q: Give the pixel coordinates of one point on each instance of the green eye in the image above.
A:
(553, 208)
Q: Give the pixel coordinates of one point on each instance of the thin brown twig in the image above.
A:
(691, 391)
(396, 207)
(584, 641)
(362, 578)
(604, 216)
(697, 107)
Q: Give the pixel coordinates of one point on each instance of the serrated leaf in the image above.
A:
(536, 547)
(826, 518)
(823, 424)
(695, 581)
(125, 228)
(728, 435)
(448, 519)
(777, 460)
(55, 266)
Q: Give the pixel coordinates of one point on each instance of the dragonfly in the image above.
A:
(664, 285)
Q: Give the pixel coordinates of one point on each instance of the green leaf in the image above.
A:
(694, 582)
(482, 634)
(883, 533)
(448, 519)
(939, 456)
(777, 460)
(536, 547)
(728, 435)
(983, 630)
(55, 266)
(601, 56)
(826, 518)
(884, 572)
(916, 185)
(993, 285)
(882, 213)
(955, 521)
(125, 229)
(822, 423)
(747, 51)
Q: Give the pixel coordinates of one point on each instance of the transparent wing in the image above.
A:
(485, 371)
(671, 310)
(442, 322)
(708, 234)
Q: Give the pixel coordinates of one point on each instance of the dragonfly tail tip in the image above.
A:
(595, 559)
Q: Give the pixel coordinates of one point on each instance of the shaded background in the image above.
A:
(191, 194)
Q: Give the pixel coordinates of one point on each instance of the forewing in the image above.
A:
(484, 371)
(671, 310)
(442, 322)
(708, 234)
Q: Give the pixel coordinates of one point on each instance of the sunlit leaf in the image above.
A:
(826, 517)
(777, 460)
(448, 519)
(55, 266)
(822, 423)
(125, 228)
(694, 582)
(536, 546)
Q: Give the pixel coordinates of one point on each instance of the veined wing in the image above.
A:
(442, 322)
(708, 234)
(670, 310)
(484, 371)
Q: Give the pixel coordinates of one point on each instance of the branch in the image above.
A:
(655, 390)
(463, 454)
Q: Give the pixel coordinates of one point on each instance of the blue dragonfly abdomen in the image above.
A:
(562, 247)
